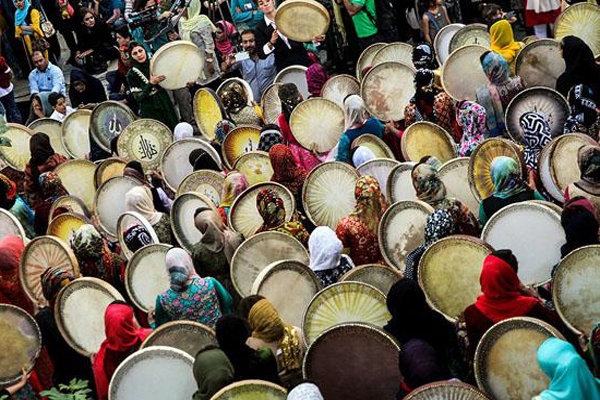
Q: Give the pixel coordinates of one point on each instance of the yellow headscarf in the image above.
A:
(503, 41)
(193, 21)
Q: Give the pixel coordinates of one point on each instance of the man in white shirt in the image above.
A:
(59, 104)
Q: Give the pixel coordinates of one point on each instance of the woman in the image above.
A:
(213, 253)
(14, 204)
(431, 190)
(160, 200)
(222, 129)
(237, 106)
(51, 189)
(85, 89)
(232, 333)
(290, 97)
(361, 155)
(212, 371)
(183, 130)
(588, 185)
(570, 377)
(139, 199)
(316, 76)
(509, 188)
(581, 67)
(438, 226)
(198, 28)
(123, 338)
(584, 116)
(270, 135)
(326, 258)
(503, 42)
(223, 38)
(235, 183)
(423, 56)
(286, 172)
(27, 25)
(11, 291)
(94, 38)
(153, 100)
(201, 159)
(430, 104)
(580, 223)
(271, 209)
(356, 123)
(500, 90)
(190, 297)
(419, 365)
(68, 364)
(40, 107)
(305, 391)
(94, 256)
(284, 340)
(43, 159)
(470, 117)
(536, 135)
(358, 231)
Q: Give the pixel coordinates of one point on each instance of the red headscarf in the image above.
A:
(501, 297)
(123, 337)
(11, 292)
(316, 76)
(285, 169)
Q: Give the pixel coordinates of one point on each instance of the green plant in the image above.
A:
(76, 390)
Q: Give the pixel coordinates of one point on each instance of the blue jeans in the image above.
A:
(12, 111)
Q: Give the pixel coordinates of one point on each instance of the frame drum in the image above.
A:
(53, 129)
(397, 52)
(441, 42)
(376, 145)
(380, 276)
(146, 275)
(455, 176)
(17, 155)
(338, 87)
(446, 390)
(400, 186)
(270, 104)
(540, 64)
(564, 167)
(208, 111)
(453, 72)
(10, 225)
(72, 204)
(78, 177)
(387, 89)
(255, 166)
(581, 21)
(64, 225)
(174, 163)
(206, 182)
(365, 59)
(427, 139)
(145, 140)
(380, 169)
(240, 140)
(182, 218)
(108, 120)
(295, 74)
(317, 124)
(180, 62)
(189, 336)
(473, 34)
(109, 168)
(76, 133)
(110, 201)
(302, 20)
(128, 220)
(251, 389)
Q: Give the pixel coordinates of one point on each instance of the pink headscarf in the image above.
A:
(226, 46)
(316, 76)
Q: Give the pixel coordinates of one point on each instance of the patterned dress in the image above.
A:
(356, 235)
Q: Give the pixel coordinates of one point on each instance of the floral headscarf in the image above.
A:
(584, 111)
(51, 186)
(234, 97)
(427, 184)
(234, 184)
(285, 169)
(370, 203)
(222, 129)
(506, 177)
(271, 209)
(470, 117)
(93, 254)
(8, 192)
(180, 268)
(536, 135)
(52, 281)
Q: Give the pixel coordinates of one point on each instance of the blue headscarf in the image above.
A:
(569, 375)
(21, 15)
(506, 177)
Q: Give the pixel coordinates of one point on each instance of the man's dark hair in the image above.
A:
(54, 98)
(248, 31)
(123, 31)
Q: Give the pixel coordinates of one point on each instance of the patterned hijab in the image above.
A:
(51, 186)
(290, 97)
(506, 177)
(370, 203)
(180, 268)
(270, 135)
(423, 56)
(271, 209)
(234, 97)
(589, 166)
(470, 117)
(234, 184)
(536, 135)
(427, 183)
(93, 254)
(53, 280)
(584, 111)
(285, 169)
(8, 192)
(222, 129)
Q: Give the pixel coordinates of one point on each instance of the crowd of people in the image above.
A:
(241, 40)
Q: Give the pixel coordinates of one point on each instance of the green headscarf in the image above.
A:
(506, 177)
(212, 371)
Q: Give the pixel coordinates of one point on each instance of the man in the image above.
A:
(259, 73)
(269, 40)
(45, 77)
(7, 94)
(364, 20)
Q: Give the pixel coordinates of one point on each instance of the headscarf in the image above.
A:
(8, 192)
(362, 155)
(570, 377)
(305, 391)
(496, 68)
(501, 298)
(226, 46)
(503, 41)
(370, 203)
(134, 169)
(212, 371)
(536, 135)
(51, 186)
(183, 130)
(423, 56)
(52, 281)
(316, 76)
(583, 111)
(87, 243)
(144, 67)
(470, 117)
(285, 169)
(11, 292)
(420, 364)
(427, 183)
(233, 185)
(180, 268)
(194, 20)
(580, 223)
(355, 111)
(139, 199)
(222, 129)
(271, 208)
(234, 97)
(290, 97)
(41, 150)
(588, 159)
(506, 177)
(21, 14)
(137, 237)
(46, 107)
(216, 236)
(425, 92)
(266, 324)
(580, 65)
(325, 249)
(270, 135)
(94, 89)
(201, 159)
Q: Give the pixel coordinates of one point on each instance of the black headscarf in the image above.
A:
(580, 67)
(580, 225)
(420, 364)
(290, 97)
(94, 90)
(424, 56)
(200, 159)
(41, 150)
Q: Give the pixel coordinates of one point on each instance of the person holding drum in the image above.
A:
(235, 183)
(43, 159)
(581, 67)
(12, 202)
(212, 371)
(240, 110)
(139, 199)
(588, 185)
(326, 258)
(271, 209)
(584, 116)
(580, 223)
(356, 122)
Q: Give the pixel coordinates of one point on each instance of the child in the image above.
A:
(59, 104)
(434, 19)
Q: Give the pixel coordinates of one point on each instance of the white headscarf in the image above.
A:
(325, 249)
(362, 155)
(139, 199)
(183, 130)
(180, 268)
(305, 391)
(355, 111)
